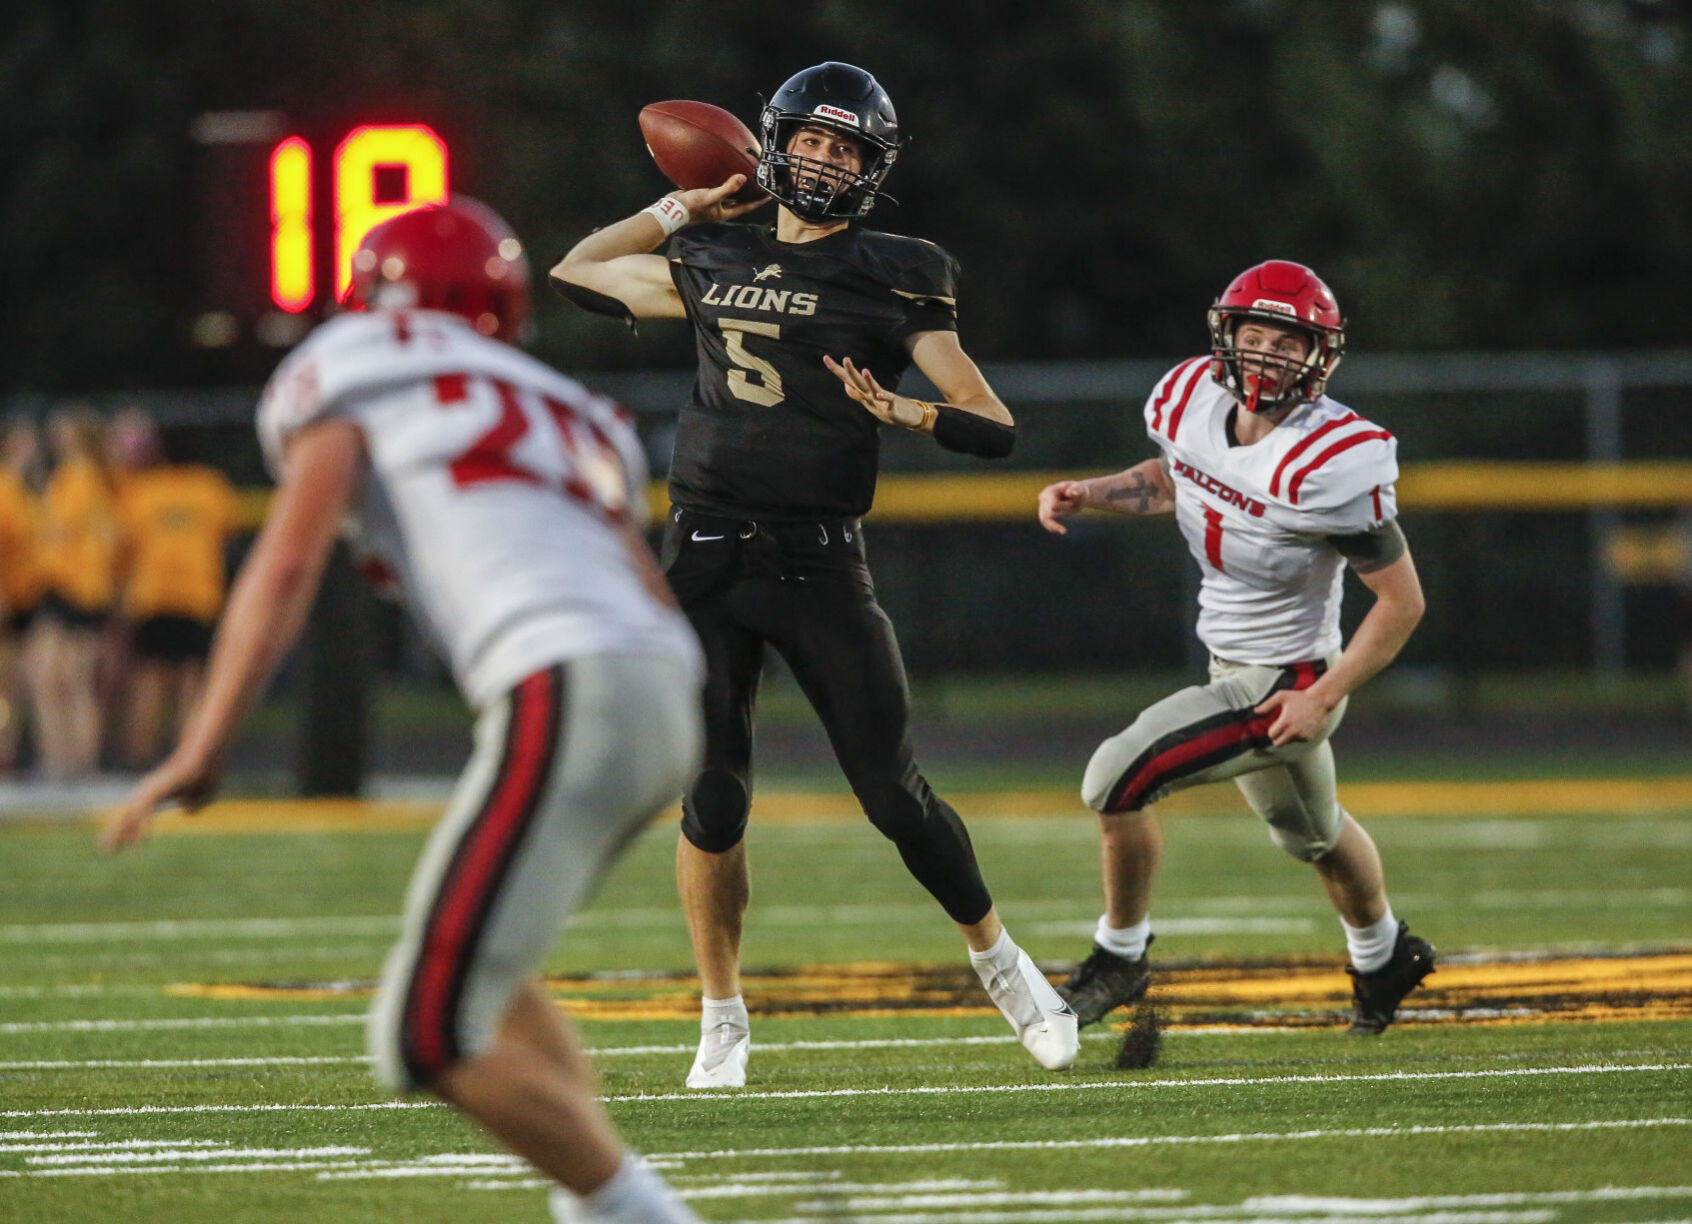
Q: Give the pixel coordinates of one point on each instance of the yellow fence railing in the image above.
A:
(1454, 485)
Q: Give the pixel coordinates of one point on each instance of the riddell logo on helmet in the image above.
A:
(1286, 308)
(835, 112)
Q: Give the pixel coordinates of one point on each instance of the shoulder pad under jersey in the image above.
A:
(1167, 403)
(1340, 457)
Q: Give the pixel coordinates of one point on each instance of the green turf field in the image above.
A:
(180, 1032)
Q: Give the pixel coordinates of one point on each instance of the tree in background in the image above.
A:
(1507, 174)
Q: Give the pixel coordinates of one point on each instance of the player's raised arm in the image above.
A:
(1144, 488)
(267, 607)
(615, 270)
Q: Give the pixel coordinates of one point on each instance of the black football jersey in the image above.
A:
(770, 432)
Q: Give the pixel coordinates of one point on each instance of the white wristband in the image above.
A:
(670, 213)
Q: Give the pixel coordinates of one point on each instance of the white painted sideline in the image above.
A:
(767, 1047)
(717, 1097)
(181, 1022)
(1133, 1085)
(1134, 1141)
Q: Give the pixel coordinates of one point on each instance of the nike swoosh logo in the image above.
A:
(697, 536)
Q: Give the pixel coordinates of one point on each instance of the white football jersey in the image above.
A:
(492, 493)
(1258, 518)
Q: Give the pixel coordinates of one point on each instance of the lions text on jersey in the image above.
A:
(495, 490)
(1259, 519)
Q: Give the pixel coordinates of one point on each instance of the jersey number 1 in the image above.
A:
(1213, 538)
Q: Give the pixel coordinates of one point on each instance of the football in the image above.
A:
(699, 145)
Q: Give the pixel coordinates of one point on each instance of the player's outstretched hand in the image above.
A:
(178, 780)
(883, 405)
(718, 203)
(1059, 501)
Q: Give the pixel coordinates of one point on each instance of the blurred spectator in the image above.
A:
(176, 519)
(79, 541)
(20, 575)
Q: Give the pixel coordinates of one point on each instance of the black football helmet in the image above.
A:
(843, 99)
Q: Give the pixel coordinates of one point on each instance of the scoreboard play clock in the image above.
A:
(282, 214)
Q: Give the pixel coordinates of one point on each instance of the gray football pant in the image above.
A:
(567, 767)
(1210, 732)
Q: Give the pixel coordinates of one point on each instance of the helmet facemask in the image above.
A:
(1243, 371)
(818, 190)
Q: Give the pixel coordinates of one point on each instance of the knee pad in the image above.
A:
(1104, 770)
(714, 811)
(1304, 842)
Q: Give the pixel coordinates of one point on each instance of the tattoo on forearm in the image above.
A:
(1140, 494)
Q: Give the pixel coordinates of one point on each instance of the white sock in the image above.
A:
(1001, 956)
(1127, 942)
(713, 1012)
(634, 1195)
(1371, 946)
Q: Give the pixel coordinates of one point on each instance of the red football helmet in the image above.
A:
(1285, 295)
(460, 257)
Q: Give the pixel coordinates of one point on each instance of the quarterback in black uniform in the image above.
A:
(803, 329)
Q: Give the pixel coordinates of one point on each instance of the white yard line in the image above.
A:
(1077, 1215)
(883, 1043)
(126, 1110)
(197, 928)
(1132, 1085)
(124, 1064)
(152, 1155)
(179, 1022)
(1134, 1141)
(957, 1090)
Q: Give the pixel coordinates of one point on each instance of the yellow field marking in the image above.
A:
(1508, 797)
(1654, 986)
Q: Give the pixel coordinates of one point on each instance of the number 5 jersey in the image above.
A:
(495, 494)
(1260, 519)
(770, 433)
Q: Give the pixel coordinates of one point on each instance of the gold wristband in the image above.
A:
(930, 414)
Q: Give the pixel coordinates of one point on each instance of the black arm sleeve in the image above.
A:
(1369, 551)
(594, 300)
(969, 434)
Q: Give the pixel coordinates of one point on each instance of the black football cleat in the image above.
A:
(1375, 996)
(1104, 982)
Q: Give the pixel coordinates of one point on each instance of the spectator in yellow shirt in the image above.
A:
(176, 520)
(20, 575)
(79, 543)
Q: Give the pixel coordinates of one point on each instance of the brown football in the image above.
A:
(699, 145)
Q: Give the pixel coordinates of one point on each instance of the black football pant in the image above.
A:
(805, 589)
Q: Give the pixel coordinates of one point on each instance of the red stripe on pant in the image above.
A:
(1251, 728)
(454, 924)
(1162, 767)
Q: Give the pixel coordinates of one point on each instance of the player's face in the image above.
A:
(824, 151)
(1270, 356)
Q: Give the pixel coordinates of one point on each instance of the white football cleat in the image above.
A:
(1044, 1023)
(721, 1061)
